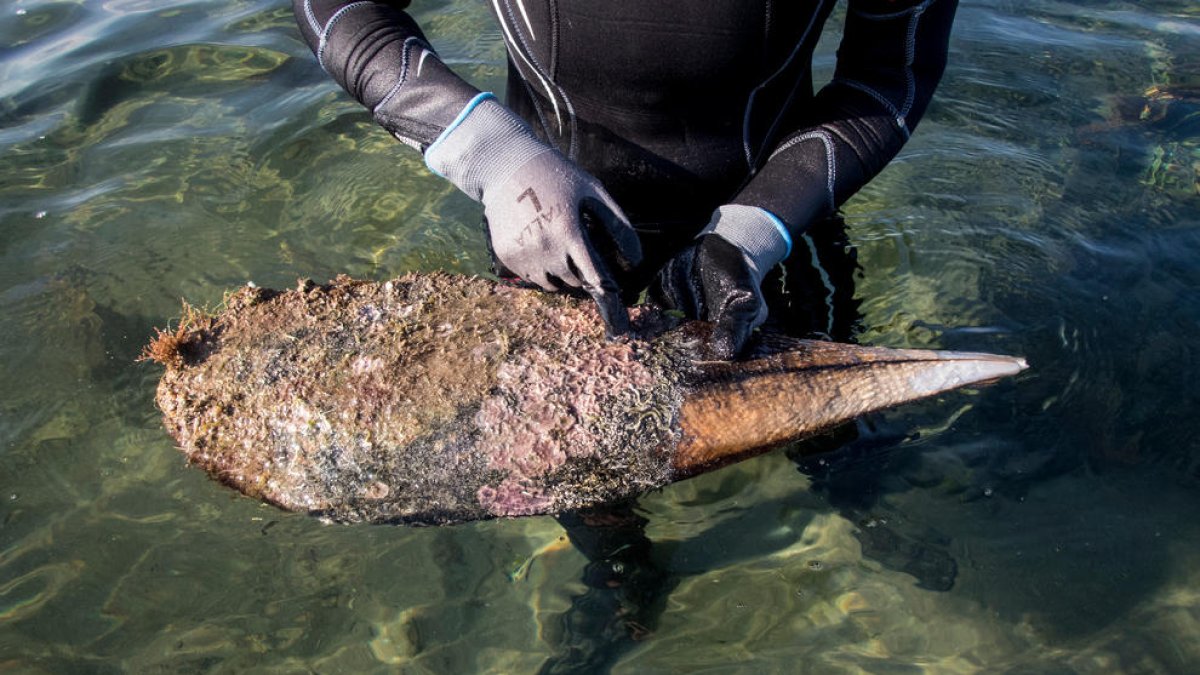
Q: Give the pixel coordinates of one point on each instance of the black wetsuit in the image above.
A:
(677, 106)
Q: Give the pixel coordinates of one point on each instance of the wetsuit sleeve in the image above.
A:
(381, 58)
(890, 61)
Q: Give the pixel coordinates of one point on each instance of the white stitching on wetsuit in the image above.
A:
(421, 63)
(537, 108)
(514, 47)
(830, 161)
(528, 56)
(410, 142)
(787, 103)
(910, 50)
(311, 15)
(337, 16)
(521, 6)
(897, 116)
(894, 15)
(750, 102)
(405, 57)
(910, 55)
(554, 38)
(869, 91)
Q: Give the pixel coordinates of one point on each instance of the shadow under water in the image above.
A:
(1047, 206)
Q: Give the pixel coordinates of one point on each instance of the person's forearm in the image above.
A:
(380, 57)
(889, 63)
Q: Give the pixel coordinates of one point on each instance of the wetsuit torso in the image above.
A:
(677, 106)
(654, 98)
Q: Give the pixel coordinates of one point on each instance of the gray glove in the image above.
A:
(719, 277)
(535, 201)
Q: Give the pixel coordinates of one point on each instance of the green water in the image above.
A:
(1047, 206)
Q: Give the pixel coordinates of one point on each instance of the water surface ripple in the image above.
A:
(1048, 206)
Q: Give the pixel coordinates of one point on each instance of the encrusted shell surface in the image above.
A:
(425, 399)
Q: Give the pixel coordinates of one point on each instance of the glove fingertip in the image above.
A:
(613, 313)
(622, 232)
(727, 342)
(613, 235)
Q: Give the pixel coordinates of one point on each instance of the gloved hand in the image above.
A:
(718, 278)
(535, 201)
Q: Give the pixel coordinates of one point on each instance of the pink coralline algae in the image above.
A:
(546, 409)
(425, 399)
(436, 399)
(511, 498)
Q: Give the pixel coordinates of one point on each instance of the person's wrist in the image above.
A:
(760, 234)
(484, 146)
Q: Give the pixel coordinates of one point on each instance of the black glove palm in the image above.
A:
(712, 280)
(719, 277)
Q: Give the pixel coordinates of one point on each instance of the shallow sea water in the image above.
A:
(1048, 206)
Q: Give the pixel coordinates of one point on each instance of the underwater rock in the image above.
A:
(436, 398)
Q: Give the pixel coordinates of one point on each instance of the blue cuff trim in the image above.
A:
(471, 105)
(783, 231)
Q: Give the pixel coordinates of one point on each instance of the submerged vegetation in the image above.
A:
(178, 347)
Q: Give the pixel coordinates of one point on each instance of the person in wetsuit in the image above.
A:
(664, 142)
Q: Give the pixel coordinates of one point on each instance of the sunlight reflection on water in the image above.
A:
(154, 151)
